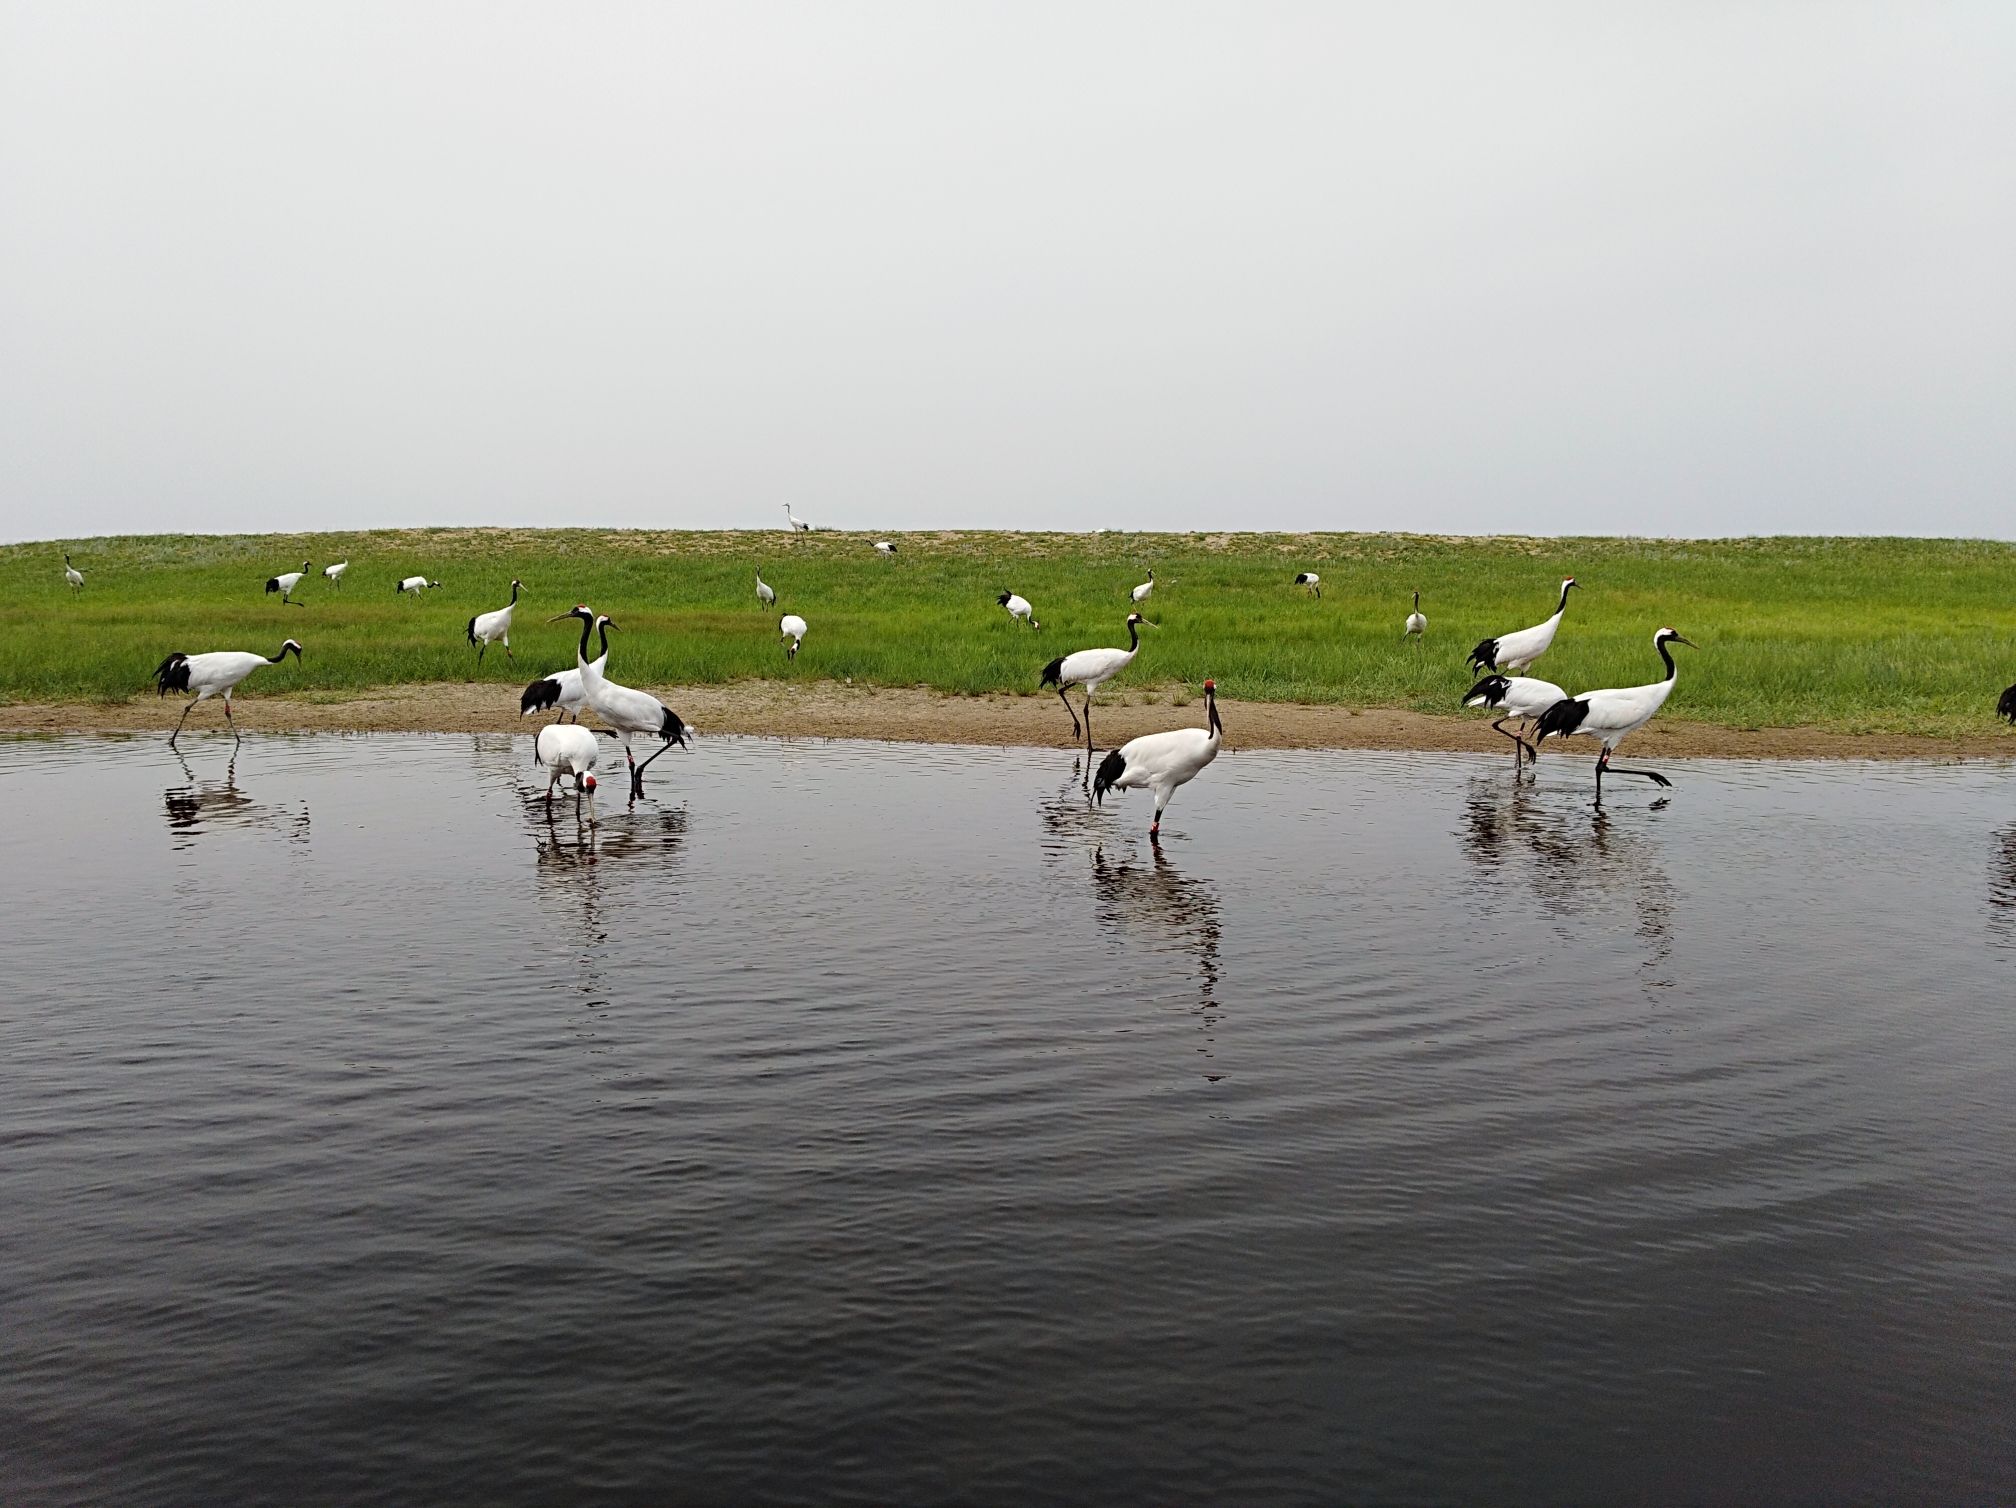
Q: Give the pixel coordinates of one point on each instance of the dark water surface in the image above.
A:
(859, 1123)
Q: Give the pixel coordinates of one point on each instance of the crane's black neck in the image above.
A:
(1133, 637)
(1557, 611)
(603, 629)
(1667, 655)
(587, 627)
(1211, 707)
(514, 594)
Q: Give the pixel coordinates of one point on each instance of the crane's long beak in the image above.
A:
(1679, 639)
(558, 617)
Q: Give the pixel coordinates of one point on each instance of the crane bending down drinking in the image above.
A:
(1520, 696)
(625, 710)
(568, 751)
(792, 627)
(1163, 761)
(1612, 716)
(215, 674)
(486, 629)
(1090, 669)
(1517, 651)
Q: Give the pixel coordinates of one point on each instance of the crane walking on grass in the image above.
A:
(1519, 696)
(335, 572)
(486, 629)
(885, 547)
(1141, 592)
(1517, 651)
(214, 674)
(71, 574)
(1417, 621)
(765, 593)
(627, 711)
(1089, 669)
(792, 627)
(1613, 716)
(1312, 581)
(798, 525)
(568, 751)
(416, 585)
(1018, 607)
(1163, 761)
(285, 583)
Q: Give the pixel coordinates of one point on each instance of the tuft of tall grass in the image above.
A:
(1907, 635)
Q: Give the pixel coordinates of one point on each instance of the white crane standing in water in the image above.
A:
(1163, 761)
(1516, 696)
(563, 688)
(214, 674)
(626, 710)
(562, 751)
(1613, 716)
(1090, 669)
(1518, 651)
(486, 629)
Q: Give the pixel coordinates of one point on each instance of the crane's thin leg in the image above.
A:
(232, 721)
(179, 722)
(631, 760)
(1070, 709)
(1652, 775)
(1519, 748)
(647, 765)
(1088, 734)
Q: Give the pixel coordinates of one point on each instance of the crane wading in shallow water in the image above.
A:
(1516, 696)
(486, 629)
(1089, 669)
(213, 674)
(563, 688)
(1163, 761)
(625, 710)
(1613, 716)
(568, 751)
(1517, 651)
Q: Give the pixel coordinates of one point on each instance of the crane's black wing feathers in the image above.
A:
(1111, 768)
(539, 696)
(2007, 706)
(1485, 655)
(1489, 692)
(1052, 671)
(1564, 717)
(172, 674)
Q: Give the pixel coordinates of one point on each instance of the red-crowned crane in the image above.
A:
(285, 583)
(213, 674)
(765, 593)
(625, 710)
(1310, 580)
(885, 547)
(563, 688)
(486, 629)
(798, 525)
(1141, 592)
(71, 574)
(1417, 622)
(1018, 607)
(334, 573)
(1612, 716)
(1515, 696)
(1163, 761)
(1517, 651)
(568, 751)
(792, 627)
(1090, 669)
(416, 585)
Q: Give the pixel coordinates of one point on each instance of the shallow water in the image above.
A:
(874, 1123)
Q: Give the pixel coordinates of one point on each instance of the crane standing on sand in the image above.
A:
(1089, 669)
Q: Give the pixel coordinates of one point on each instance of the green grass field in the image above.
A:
(1857, 635)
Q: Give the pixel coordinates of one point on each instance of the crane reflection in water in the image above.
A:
(200, 806)
(2002, 887)
(1573, 862)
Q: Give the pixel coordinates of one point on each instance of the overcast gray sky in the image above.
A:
(1695, 269)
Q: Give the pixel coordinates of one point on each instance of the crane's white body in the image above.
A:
(1516, 652)
(335, 572)
(1417, 621)
(798, 525)
(72, 575)
(285, 583)
(569, 750)
(1090, 669)
(563, 688)
(1520, 696)
(1611, 716)
(1160, 762)
(416, 584)
(885, 547)
(1312, 581)
(1019, 607)
(216, 673)
(792, 627)
(1141, 592)
(765, 593)
(486, 629)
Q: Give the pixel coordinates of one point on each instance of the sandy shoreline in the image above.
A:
(915, 715)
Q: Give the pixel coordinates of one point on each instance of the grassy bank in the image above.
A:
(1857, 635)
